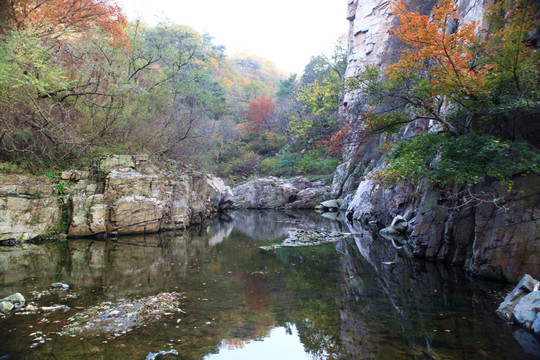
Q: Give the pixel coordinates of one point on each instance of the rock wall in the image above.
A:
(496, 242)
(29, 207)
(128, 194)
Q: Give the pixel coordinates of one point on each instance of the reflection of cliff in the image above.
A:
(124, 265)
(426, 303)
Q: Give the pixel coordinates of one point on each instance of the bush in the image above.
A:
(9, 168)
(244, 164)
(268, 166)
(316, 163)
(286, 163)
(444, 159)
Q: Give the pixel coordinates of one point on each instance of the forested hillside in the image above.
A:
(79, 80)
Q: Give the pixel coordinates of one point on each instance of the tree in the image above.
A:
(40, 74)
(287, 88)
(56, 18)
(471, 86)
(320, 94)
(259, 113)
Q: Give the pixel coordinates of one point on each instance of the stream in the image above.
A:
(212, 293)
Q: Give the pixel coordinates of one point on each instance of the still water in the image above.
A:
(353, 299)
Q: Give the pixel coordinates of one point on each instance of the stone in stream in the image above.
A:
(536, 324)
(299, 237)
(8, 303)
(16, 298)
(527, 308)
(59, 286)
(116, 319)
(400, 224)
(54, 308)
(331, 205)
(525, 285)
(6, 306)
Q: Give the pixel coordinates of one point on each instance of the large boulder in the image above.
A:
(522, 304)
(373, 202)
(527, 308)
(400, 224)
(525, 286)
(536, 324)
(272, 192)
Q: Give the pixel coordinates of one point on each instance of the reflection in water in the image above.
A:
(354, 299)
(280, 343)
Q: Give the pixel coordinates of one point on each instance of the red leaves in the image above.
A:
(259, 113)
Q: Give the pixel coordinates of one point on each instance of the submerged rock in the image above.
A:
(152, 356)
(120, 318)
(309, 238)
(54, 308)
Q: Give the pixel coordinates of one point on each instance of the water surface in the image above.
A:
(354, 299)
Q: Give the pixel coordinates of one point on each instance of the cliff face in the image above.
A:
(496, 242)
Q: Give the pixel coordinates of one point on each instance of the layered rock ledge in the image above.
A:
(125, 194)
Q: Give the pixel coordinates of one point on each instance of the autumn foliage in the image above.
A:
(259, 113)
(55, 18)
(443, 55)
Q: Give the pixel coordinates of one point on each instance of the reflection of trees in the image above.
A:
(307, 297)
(256, 295)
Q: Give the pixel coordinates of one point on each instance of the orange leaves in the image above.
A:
(338, 140)
(55, 18)
(440, 51)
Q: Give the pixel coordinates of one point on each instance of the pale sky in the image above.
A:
(287, 32)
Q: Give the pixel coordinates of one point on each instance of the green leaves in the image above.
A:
(443, 159)
(26, 64)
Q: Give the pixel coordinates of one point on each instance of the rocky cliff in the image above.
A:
(125, 194)
(501, 242)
